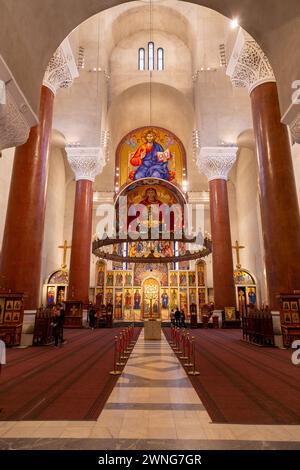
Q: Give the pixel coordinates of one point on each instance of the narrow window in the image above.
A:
(141, 58)
(151, 56)
(160, 59)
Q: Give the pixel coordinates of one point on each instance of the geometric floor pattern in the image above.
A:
(152, 406)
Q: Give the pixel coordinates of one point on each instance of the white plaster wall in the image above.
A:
(6, 165)
(54, 217)
(124, 63)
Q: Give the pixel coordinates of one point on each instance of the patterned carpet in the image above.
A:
(244, 384)
(70, 382)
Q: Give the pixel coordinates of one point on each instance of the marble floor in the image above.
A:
(153, 406)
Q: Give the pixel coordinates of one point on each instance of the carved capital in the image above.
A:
(248, 65)
(216, 162)
(62, 68)
(16, 115)
(86, 162)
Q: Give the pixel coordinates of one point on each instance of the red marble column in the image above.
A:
(79, 278)
(20, 263)
(224, 289)
(278, 196)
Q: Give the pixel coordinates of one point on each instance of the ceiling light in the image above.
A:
(234, 23)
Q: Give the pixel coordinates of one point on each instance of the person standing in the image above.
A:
(92, 317)
(177, 317)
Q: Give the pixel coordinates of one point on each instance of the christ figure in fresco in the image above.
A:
(151, 160)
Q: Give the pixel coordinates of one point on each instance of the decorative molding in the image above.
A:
(86, 162)
(295, 129)
(16, 115)
(248, 65)
(216, 162)
(62, 68)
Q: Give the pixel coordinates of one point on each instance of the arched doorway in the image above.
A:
(151, 298)
(246, 289)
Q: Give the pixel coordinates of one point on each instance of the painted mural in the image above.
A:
(150, 152)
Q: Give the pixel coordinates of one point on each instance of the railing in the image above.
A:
(258, 328)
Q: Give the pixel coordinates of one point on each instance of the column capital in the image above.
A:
(62, 68)
(248, 65)
(216, 162)
(86, 162)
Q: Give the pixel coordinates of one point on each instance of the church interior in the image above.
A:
(149, 196)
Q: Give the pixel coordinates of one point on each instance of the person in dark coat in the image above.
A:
(182, 319)
(92, 317)
(57, 326)
(177, 315)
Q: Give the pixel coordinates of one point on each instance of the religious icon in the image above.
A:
(50, 296)
(151, 159)
(192, 296)
(201, 297)
(119, 279)
(183, 300)
(8, 316)
(109, 296)
(128, 279)
(192, 279)
(242, 301)
(173, 279)
(173, 299)
(61, 294)
(127, 300)
(155, 307)
(230, 314)
(251, 295)
(295, 317)
(294, 306)
(286, 306)
(9, 305)
(109, 279)
(17, 305)
(137, 301)
(165, 300)
(16, 316)
(118, 305)
(200, 273)
(2, 303)
(100, 277)
(182, 279)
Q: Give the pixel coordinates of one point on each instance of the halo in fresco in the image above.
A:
(150, 152)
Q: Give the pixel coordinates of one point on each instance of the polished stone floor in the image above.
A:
(153, 406)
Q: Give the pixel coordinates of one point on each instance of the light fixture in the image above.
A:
(234, 23)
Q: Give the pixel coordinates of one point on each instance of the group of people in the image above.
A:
(178, 318)
(58, 324)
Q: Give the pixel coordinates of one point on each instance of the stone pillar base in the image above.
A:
(28, 327)
(277, 330)
(218, 313)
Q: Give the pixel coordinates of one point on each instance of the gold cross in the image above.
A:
(65, 248)
(73, 310)
(238, 247)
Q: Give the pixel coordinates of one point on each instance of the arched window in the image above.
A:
(160, 59)
(141, 58)
(150, 55)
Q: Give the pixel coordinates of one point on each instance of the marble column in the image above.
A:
(21, 255)
(249, 67)
(86, 162)
(215, 163)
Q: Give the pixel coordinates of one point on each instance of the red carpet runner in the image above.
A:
(244, 384)
(70, 382)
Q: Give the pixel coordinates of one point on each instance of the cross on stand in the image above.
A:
(73, 310)
(65, 247)
(238, 247)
